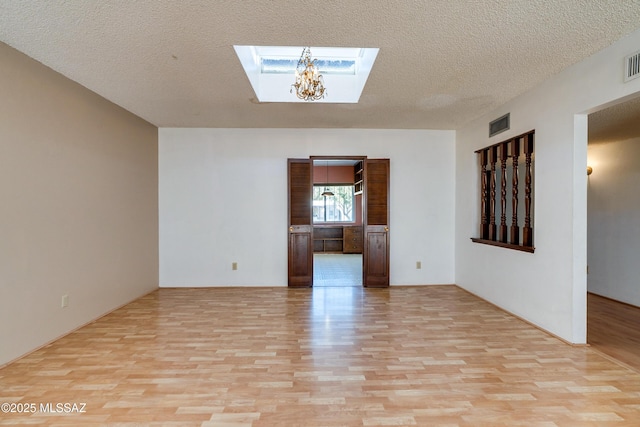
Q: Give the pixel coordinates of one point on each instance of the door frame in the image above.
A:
(365, 228)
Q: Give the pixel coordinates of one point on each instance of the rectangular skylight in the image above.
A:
(271, 71)
(325, 66)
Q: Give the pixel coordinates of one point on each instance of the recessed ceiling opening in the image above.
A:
(271, 71)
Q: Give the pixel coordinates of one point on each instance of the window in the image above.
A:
(506, 193)
(336, 208)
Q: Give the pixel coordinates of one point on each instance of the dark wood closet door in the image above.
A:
(376, 223)
(300, 226)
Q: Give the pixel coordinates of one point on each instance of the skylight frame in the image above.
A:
(344, 79)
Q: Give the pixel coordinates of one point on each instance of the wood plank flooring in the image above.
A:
(614, 329)
(425, 356)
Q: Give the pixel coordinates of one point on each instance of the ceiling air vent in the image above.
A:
(632, 66)
(499, 125)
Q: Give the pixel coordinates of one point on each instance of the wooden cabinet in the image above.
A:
(352, 240)
(347, 239)
(327, 238)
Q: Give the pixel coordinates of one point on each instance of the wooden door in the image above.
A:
(376, 223)
(300, 225)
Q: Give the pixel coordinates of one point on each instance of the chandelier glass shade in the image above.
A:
(309, 84)
(327, 192)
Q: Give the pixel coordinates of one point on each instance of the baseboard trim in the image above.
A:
(75, 329)
(526, 321)
(614, 360)
(614, 300)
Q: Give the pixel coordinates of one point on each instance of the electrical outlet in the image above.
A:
(65, 301)
(234, 265)
(418, 265)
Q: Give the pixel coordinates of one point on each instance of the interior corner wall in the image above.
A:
(223, 199)
(614, 220)
(548, 287)
(78, 217)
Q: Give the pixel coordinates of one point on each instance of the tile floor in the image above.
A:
(337, 270)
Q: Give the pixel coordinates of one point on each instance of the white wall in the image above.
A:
(614, 220)
(78, 209)
(223, 199)
(547, 288)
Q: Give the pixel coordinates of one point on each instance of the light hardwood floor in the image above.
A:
(614, 329)
(426, 356)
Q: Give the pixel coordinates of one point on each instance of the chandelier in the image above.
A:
(309, 83)
(327, 192)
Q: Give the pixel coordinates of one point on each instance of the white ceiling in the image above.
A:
(441, 63)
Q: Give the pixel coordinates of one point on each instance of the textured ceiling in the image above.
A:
(441, 62)
(616, 123)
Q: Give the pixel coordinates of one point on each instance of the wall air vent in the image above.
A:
(499, 125)
(632, 66)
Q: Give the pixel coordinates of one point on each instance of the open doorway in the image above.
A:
(613, 231)
(337, 216)
(302, 234)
